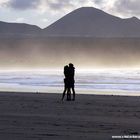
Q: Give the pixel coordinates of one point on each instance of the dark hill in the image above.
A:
(18, 29)
(89, 21)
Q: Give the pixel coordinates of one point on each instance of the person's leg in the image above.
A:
(64, 92)
(73, 90)
(68, 94)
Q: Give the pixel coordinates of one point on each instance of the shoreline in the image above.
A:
(94, 93)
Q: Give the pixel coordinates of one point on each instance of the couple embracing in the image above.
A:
(69, 81)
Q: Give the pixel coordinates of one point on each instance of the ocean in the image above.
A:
(114, 82)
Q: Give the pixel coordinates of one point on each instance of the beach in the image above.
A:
(43, 116)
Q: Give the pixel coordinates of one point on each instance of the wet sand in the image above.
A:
(32, 116)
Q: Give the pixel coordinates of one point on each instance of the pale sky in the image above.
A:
(44, 12)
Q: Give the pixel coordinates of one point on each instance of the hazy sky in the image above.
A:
(45, 12)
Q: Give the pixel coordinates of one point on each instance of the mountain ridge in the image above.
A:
(82, 22)
(92, 22)
(18, 29)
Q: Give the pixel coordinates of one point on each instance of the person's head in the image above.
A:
(66, 67)
(70, 65)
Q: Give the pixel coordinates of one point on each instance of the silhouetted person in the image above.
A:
(71, 79)
(66, 84)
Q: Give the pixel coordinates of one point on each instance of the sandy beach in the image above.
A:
(32, 116)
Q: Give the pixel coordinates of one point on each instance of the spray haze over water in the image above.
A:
(53, 52)
(95, 61)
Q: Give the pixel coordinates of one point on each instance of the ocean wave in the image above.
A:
(112, 80)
